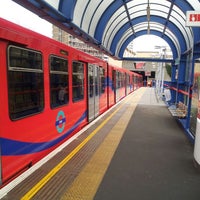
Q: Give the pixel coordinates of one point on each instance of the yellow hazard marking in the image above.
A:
(87, 182)
(44, 180)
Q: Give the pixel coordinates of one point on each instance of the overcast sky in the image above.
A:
(148, 43)
(13, 12)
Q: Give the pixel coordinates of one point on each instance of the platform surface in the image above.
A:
(136, 151)
(154, 160)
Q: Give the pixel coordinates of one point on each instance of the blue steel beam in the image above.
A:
(128, 16)
(67, 8)
(168, 16)
(148, 59)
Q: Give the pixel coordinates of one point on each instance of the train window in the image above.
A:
(123, 80)
(119, 80)
(128, 79)
(59, 82)
(78, 81)
(113, 79)
(25, 82)
(102, 80)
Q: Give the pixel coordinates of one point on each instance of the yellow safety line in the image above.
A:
(43, 181)
(87, 182)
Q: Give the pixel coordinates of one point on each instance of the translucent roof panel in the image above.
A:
(156, 27)
(111, 24)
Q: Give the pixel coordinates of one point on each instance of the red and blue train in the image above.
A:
(49, 91)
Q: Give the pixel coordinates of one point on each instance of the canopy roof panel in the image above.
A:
(112, 24)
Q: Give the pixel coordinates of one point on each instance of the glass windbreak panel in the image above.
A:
(25, 82)
(188, 68)
(78, 81)
(59, 81)
(195, 98)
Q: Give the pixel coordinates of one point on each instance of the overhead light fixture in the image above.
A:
(148, 12)
(148, 29)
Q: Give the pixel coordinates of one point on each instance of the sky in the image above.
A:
(148, 43)
(13, 12)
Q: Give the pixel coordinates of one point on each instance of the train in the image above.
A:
(49, 92)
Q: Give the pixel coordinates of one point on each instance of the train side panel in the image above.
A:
(39, 109)
(46, 91)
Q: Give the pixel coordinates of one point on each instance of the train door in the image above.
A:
(194, 113)
(93, 91)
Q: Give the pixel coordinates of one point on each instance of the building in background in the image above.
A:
(70, 40)
(149, 70)
(66, 38)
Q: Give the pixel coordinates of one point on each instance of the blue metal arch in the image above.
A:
(89, 27)
(153, 32)
(153, 19)
(196, 31)
(93, 14)
(67, 8)
(110, 10)
(183, 5)
(106, 32)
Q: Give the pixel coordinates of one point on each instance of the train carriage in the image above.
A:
(111, 80)
(49, 91)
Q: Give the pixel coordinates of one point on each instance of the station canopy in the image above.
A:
(110, 25)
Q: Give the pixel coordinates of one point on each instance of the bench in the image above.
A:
(179, 110)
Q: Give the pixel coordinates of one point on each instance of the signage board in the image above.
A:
(147, 73)
(193, 18)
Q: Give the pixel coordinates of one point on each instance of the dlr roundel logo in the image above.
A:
(60, 121)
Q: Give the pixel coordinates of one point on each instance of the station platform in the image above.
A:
(137, 150)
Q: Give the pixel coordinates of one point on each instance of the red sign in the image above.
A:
(147, 73)
(139, 65)
(193, 18)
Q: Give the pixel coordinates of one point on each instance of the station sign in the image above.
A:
(193, 18)
(147, 73)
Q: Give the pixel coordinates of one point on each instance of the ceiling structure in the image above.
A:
(110, 25)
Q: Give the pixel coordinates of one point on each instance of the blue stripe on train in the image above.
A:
(12, 147)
